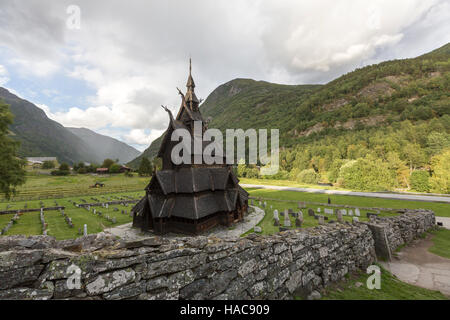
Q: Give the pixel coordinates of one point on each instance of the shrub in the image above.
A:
(60, 172)
(308, 176)
(48, 165)
(420, 181)
(367, 174)
(114, 168)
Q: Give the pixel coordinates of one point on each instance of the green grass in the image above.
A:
(267, 226)
(44, 186)
(29, 223)
(440, 209)
(391, 289)
(441, 243)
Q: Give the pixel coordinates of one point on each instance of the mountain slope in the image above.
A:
(106, 147)
(371, 97)
(245, 103)
(41, 136)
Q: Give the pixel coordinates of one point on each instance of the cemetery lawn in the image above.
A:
(391, 289)
(441, 242)
(46, 186)
(440, 209)
(30, 224)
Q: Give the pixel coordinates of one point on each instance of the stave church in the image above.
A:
(189, 198)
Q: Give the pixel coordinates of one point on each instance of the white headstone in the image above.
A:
(300, 216)
(350, 212)
(321, 220)
(329, 211)
(85, 230)
(275, 214)
(355, 219)
(287, 220)
(344, 212)
(357, 213)
(318, 209)
(339, 216)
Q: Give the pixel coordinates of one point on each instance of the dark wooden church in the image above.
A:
(189, 198)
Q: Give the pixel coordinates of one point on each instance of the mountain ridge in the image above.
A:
(374, 95)
(42, 136)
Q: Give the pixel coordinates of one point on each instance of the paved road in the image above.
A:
(396, 196)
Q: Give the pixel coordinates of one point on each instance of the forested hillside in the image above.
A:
(381, 127)
(41, 136)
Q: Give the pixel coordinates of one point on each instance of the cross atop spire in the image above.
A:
(191, 99)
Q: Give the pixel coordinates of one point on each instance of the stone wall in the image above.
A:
(280, 266)
(400, 230)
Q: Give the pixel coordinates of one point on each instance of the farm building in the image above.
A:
(189, 198)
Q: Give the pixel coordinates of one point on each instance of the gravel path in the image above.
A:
(126, 232)
(396, 196)
(414, 264)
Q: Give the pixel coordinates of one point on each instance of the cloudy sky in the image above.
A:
(112, 69)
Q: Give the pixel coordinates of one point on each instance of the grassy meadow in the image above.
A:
(63, 190)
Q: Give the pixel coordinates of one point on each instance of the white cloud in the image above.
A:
(134, 56)
(4, 77)
(138, 136)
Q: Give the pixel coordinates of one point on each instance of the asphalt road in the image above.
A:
(395, 196)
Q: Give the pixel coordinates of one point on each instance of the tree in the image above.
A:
(114, 168)
(368, 173)
(48, 164)
(308, 176)
(440, 179)
(420, 181)
(12, 171)
(145, 168)
(64, 167)
(107, 163)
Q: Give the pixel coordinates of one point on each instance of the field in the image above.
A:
(45, 186)
(63, 191)
(29, 222)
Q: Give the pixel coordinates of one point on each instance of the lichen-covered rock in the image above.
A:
(256, 267)
(108, 281)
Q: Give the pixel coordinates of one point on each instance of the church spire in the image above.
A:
(191, 99)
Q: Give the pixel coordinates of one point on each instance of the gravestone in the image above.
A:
(329, 200)
(95, 211)
(350, 212)
(372, 214)
(85, 230)
(251, 202)
(299, 219)
(357, 213)
(275, 214)
(328, 211)
(321, 220)
(344, 212)
(264, 204)
(276, 222)
(257, 229)
(270, 207)
(318, 210)
(339, 216)
(107, 205)
(286, 214)
(355, 219)
(287, 221)
(310, 212)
